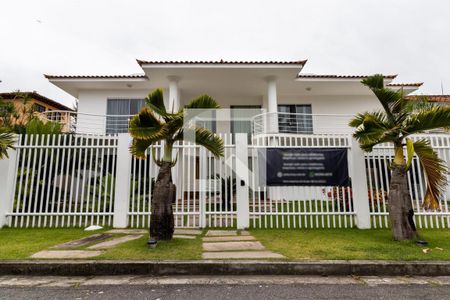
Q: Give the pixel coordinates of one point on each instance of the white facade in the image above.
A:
(233, 84)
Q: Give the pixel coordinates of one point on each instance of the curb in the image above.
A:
(162, 268)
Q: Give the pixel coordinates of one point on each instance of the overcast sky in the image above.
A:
(406, 37)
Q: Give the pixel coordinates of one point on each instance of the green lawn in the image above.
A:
(344, 244)
(295, 244)
(21, 243)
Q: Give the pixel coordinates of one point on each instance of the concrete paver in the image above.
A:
(128, 231)
(187, 231)
(114, 242)
(228, 238)
(231, 246)
(83, 241)
(221, 233)
(241, 255)
(60, 254)
(181, 236)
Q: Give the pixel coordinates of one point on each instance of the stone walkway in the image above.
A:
(229, 244)
(103, 241)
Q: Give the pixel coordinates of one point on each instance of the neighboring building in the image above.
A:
(29, 103)
(267, 97)
(439, 99)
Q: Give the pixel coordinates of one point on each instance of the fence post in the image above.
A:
(359, 185)
(242, 209)
(203, 157)
(123, 173)
(7, 185)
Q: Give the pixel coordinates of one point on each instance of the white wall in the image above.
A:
(92, 107)
(95, 102)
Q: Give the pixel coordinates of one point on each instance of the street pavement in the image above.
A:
(224, 287)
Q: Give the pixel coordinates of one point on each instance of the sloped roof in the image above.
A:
(35, 95)
(131, 76)
(333, 76)
(415, 84)
(431, 98)
(218, 62)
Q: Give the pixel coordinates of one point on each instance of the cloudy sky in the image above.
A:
(406, 37)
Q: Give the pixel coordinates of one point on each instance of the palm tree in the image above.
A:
(154, 124)
(6, 142)
(394, 124)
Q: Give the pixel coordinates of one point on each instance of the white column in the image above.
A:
(272, 104)
(123, 173)
(357, 170)
(7, 176)
(242, 178)
(174, 97)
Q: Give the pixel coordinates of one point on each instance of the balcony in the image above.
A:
(85, 123)
(300, 123)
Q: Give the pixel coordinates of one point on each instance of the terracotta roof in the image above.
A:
(431, 98)
(35, 95)
(95, 76)
(328, 76)
(415, 84)
(219, 62)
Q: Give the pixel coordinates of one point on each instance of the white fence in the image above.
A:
(62, 181)
(377, 164)
(78, 180)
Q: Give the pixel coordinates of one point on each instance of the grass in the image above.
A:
(22, 243)
(349, 244)
(295, 244)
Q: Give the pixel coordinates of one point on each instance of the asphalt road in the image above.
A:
(224, 287)
(217, 292)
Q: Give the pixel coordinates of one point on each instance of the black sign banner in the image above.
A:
(306, 167)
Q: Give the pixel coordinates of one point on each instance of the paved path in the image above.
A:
(107, 240)
(231, 244)
(233, 287)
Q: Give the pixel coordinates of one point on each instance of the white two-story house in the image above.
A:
(263, 97)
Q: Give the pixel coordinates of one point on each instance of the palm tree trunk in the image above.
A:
(401, 212)
(164, 193)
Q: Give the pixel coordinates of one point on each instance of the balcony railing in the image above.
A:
(87, 123)
(300, 123)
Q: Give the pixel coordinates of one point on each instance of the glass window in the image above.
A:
(38, 108)
(296, 118)
(119, 112)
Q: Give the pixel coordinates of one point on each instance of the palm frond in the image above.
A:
(205, 138)
(389, 99)
(138, 148)
(374, 82)
(435, 170)
(427, 119)
(146, 126)
(155, 100)
(7, 140)
(372, 129)
(204, 101)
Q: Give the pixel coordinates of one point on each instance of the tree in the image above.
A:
(7, 140)
(154, 124)
(394, 124)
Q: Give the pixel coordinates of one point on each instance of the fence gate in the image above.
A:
(302, 206)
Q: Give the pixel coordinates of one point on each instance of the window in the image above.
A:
(295, 118)
(38, 108)
(119, 112)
